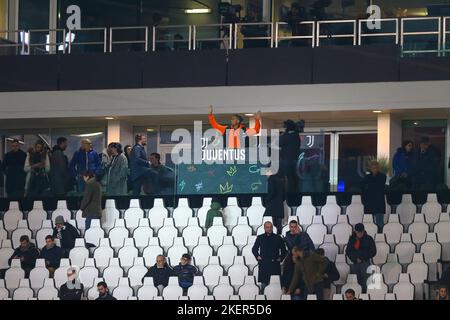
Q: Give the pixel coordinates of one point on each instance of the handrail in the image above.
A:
(229, 39)
(105, 37)
(278, 37)
(419, 33)
(319, 36)
(17, 45)
(240, 24)
(56, 43)
(445, 32)
(189, 40)
(111, 41)
(379, 34)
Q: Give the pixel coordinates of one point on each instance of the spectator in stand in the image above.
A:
(140, 166)
(185, 272)
(403, 165)
(360, 250)
(27, 253)
(274, 200)
(310, 271)
(66, 233)
(294, 237)
(52, 254)
(373, 191)
(215, 211)
(73, 288)
(350, 294)
(295, 16)
(254, 31)
(103, 292)
(127, 152)
(91, 204)
(160, 272)
(442, 293)
(426, 166)
(60, 179)
(331, 274)
(37, 167)
(165, 179)
(85, 159)
(289, 152)
(13, 169)
(116, 171)
(269, 250)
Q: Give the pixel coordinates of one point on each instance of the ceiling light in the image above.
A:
(416, 123)
(249, 114)
(377, 111)
(150, 130)
(87, 135)
(109, 118)
(195, 11)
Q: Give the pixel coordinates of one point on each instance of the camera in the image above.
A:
(230, 13)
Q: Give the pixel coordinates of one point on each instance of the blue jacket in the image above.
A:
(402, 162)
(53, 256)
(139, 164)
(82, 161)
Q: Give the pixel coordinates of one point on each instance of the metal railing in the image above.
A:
(334, 36)
(445, 32)
(18, 44)
(225, 39)
(88, 43)
(279, 38)
(238, 27)
(112, 41)
(52, 33)
(404, 33)
(361, 33)
(157, 37)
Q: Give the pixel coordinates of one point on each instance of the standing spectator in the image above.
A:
(116, 171)
(360, 249)
(289, 152)
(185, 272)
(373, 190)
(52, 254)
(103, 292)
(215, 211)
(294, 237)
(160, 272)
(37, 167)
(73, 288)
(269, 250)
(140, 166)
(66, 233)
(426, 166)
(442, 293)
(27, 253)
(274, 200)
(59, 169)
(254, 31)
(164, 182)
(350, 294)
(127, 152)
(331, 274)
(403, 165)
(309, 270)
(84, 159)
(13, 169)
(91, 204)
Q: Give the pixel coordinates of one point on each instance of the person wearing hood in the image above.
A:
(215, 211)
(27, 253)
(403, 163)
(185, 272)
(160, 272)
(59, 169)
(84, 159)
(66, 233)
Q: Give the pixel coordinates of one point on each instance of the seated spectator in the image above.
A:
(160, 273)
(331, 274)
(309, 268)
(350, 294)
(185, 272)
(103, 292)
(66, 233)
(215, 211)
(360, 249)
(442, 293)
(27, 253)
(52, 254)
(73, 288)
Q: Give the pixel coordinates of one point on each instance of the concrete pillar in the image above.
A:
(113, 131)
(389, 135)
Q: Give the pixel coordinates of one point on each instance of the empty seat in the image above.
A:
(406, 210)
(79, 253)
(390, 296)
(330, 247)
(382, 249)
(355, 211)
(22, 230)
(113, 273)
(330, 212)
(133, 214)
(110, 214)
(201, 213)
(152, 251)
(432, 251)
(103, 254)
(237, 272)
(123, 291)
(338, 297)
(317, 231)
(370, 227)
(241, 232)
(38, 275)
(255, 213)
(36, 216)
(12, 217)
(181, 214)
(157, 214)
(45, 230)
(442, 230)
(418, 229)
(192, 233)
(198, 290)
(48, 291)
(142, 234)
(393, 230)
(202, 252)
(92, 293)
(61, 210)
(148, 290)
(5, 253)
(94, 233)
(173, 290)
(23, 292)
(376, 288)
(273, 290)
(404, 289)
(431, 209)
(60, 275)
(305, 212)
(405, 249)
(223, 290)
(391, 270)
(137, 272)
(127, 254)
(81, 222)
(88, 273)
(231, 213)
(226, 252)
(352, 283)
(14, 274)
(418, 271)
(343, 268)
(216, 233)
(247, 253)
(342, 233)
(249, 290)
(212, 272)
(176, 251)
(167, 233)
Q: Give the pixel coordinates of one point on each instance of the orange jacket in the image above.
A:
(233, 135)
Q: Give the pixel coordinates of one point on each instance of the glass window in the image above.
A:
(75, 135)
(34, 15)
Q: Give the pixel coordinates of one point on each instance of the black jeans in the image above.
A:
(317, 289)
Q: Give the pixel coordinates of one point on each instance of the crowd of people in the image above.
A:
(41, 172)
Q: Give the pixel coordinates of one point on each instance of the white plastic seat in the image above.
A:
(60, 275)
(355, 211)
(431, 209)
(48, 291)
(202, 212)
(123, 291)
(317, 231)
(22, 230)
(38, 275)
(391, 270)
(330, 247)
(382, 249)
(406, 210)
(157, 214)
(255, 213)
(216, 233)
(241, 232)
(370, 227)
(286, 226)
(202, 252)
(12, 217)
(36, 216)
(148, 291)
(261, 230)
(338, 297)
(142, 234)
(167, 233)
(113, 273)
(342, 233)
(273, 290)
(343, 268)
(231, 213)
(133, 214)
(247, 253)
(79, 253)
(137, 272)
(181, 214)
(110, 214)
(393, 230)
(103, 254)
(376, 288)
(5, 253)
(352, 283)
(305, 212)
(390, 296)
(127, 254)
(192, 233)
(223, 290)
(198, 290)
(212, 272)
(249, 290)
(226, 252)
(152, 251)
(442, 230)
(209, 297)
(405, 249)
(330, 212)
(432, 251)
(237, 272)
(81, 222)
(94, 233)
(88, 273)
(14, 274)
(61, 210)
(418, 271)
(23, 292)
(92, 293)
(176, 251)
(45, 230)
(418, 229)
(404, 289)
(173, 290)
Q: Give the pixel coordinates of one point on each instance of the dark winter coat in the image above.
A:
(403, 162)
(367, 249)
(59, 171)
(71, 294)
(66, 235)
(160, 275)
(52, 256)
(91, 204)
(185, 273)
(29, 255)
(274, 200)
(272, 250)
(13, 169)
(373, 191)
(309, 269)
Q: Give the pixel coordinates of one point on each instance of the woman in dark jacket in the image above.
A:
(403, 164)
